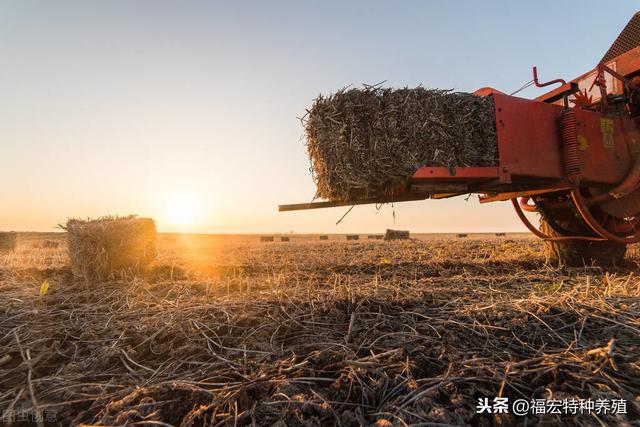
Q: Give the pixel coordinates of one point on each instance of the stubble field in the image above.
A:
(225, 330)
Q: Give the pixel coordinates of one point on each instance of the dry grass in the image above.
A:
(231, 331)
(362, 142)
(8, 241)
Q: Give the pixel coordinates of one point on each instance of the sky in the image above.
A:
(188, 111)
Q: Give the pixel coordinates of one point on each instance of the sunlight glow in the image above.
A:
(183, 209)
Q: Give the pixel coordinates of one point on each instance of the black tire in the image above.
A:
(578, 253)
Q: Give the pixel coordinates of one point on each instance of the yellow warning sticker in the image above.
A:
(583, 144)
(606, 127)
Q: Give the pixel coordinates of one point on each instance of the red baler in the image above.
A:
(572, 155)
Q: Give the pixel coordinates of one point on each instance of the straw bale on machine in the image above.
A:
(362, 142)
(111, 247)
(8, 241)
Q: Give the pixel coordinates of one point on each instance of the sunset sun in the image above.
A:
(182, 209)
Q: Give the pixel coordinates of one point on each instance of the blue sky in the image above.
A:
(120, 107)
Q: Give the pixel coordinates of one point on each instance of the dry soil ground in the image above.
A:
(231, 331)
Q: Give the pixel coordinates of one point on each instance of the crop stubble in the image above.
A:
(319, 333)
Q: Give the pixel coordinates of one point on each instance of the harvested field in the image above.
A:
(228, 331)
(362, 142)
(50, 244)
(8, 241)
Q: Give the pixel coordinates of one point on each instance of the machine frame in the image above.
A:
(574, 149)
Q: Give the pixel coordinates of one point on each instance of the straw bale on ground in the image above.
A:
(396, 234)
(111, 247)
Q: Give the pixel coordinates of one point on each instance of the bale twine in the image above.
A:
(111, 247)
(362, 142)
(8, 241)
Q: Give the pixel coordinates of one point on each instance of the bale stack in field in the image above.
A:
(111, 247)
(362, 142)
(324, 237)
(462, 235)
(353, 237)
(285, 239)
(8, 241)
(266, 238)
(396, 235)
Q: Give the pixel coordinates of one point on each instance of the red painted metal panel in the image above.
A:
(530, 145)
(456, 173)
(484, 91)
(528, 137)
(604, 148)
(627, 63)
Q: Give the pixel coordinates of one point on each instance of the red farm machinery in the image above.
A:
(572, 155)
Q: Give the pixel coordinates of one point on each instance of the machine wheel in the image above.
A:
(578, 253)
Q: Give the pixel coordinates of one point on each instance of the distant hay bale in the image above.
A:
(285, 239)
(461, 235)
(353, 237)
(50, 244)
(324, 237)
(266, 238)
(396, 234)
(8, 241)
(362, 142)
(501, 234)
(111, 247)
